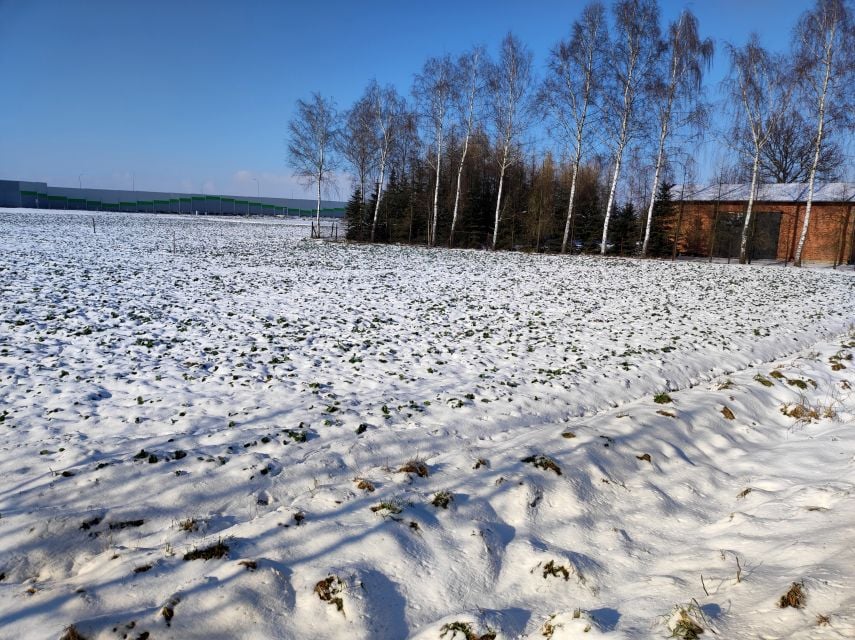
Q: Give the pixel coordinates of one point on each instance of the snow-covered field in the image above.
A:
(392, 442)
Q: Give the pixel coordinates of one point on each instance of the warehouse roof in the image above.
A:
(789, 192)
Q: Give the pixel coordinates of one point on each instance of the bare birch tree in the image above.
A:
(826, 69)
(470, 78)
(313, 132)
(635, 50)
(357, 144)
(788, 156)
(386, 108)
(434, 90)
(756, 85)
(509, 84)
(408, 145)
(571, 86)
(676, 95)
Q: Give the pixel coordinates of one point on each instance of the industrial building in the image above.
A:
(710, 221)
(39, 195)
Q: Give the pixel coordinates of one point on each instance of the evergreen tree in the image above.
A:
(588, 213)
(664, 214)
(354, 216)
(624, 230)
(395, 207)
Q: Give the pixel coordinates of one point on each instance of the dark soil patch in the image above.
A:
(543, 462)
(118, 526)
(213, 552)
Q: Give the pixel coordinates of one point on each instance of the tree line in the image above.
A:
(483, 152)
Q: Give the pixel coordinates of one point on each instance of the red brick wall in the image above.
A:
(830, 233)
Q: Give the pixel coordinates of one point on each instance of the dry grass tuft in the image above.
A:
(465, 630)
(727, 413)
(415, 466)
(796, 382)
(801, 412)
(555, 570)
(662, 398)
(71, 633)
(442, 499)
(329, 590)
(188, 525)
(795, 597)
(168, 610)
(365, 485)
(686, 628)
(764, 380)
(387, 508)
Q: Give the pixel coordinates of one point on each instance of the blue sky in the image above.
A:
(196, 96)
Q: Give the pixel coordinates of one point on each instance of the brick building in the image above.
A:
(710, 219)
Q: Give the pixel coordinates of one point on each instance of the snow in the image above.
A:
(240, 389)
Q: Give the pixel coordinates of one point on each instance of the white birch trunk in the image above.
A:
(379, 189)
(659, 157)
(743, 245)
(498, 204)
(318, 212)
(470, 116)
(320, 180)
(457, 191)
(436, 188)
(580, 130)
(797, 259)
(612, 189)
(618, 156)
(663, 136)
(570, 205)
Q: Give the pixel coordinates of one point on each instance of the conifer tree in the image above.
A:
(624, 232)
(354, 216)
(661, 231)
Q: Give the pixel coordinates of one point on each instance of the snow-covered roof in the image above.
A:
(783, 192)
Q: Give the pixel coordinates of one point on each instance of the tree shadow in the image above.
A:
(606, 618)
(384, 606)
